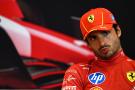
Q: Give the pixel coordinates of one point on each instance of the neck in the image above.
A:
(117, 58)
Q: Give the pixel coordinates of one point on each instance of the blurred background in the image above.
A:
(63, 16)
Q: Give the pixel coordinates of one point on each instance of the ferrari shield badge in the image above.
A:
(131, 76)
(91, 18)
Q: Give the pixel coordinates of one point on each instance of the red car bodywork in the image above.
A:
(41, 47)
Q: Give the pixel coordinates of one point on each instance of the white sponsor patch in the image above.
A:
(69, 88)
(70, 77)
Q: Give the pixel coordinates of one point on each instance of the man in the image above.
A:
(111, 69)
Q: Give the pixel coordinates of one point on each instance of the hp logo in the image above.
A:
(96, 78)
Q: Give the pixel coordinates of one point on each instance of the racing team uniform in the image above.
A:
(117, 73)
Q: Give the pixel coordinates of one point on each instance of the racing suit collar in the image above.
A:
(118, 57)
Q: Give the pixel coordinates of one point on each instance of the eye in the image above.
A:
(105, 33)
(92, 38)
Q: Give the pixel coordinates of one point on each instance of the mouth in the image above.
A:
(104, 50)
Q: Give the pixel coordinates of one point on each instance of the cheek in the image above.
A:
(94, 46)
(114, 42)
(110, 40)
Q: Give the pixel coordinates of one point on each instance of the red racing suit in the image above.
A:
(118, 73)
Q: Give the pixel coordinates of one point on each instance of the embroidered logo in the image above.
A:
(70, 77)
(69, 88)
(113, 18)
(96, 88)
(131, 76)
(91, 18)
(96, 78)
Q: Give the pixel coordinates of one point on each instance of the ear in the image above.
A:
(118, 31)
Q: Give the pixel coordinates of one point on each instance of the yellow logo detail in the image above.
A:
(131, 76)
(96, 88)
(91, 18)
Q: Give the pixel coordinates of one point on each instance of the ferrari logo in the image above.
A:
(96, 88)
(91, 18)
(131, 76)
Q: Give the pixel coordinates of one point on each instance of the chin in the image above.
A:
(106, 57)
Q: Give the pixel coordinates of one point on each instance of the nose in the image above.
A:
(101, 41)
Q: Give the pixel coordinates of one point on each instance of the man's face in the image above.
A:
(104, 43)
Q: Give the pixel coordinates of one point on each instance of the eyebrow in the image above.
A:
(90, 36)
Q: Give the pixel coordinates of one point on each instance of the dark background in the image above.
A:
(63, 16)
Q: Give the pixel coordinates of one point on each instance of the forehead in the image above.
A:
(100, 31)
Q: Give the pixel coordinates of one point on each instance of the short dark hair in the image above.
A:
(115, 26)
